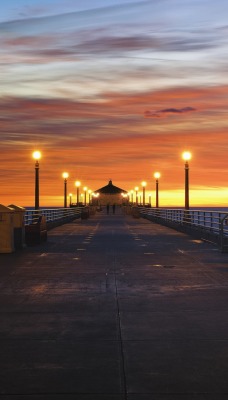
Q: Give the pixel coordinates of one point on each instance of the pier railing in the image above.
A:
(37, 222)
(211, 225)
(53, 216)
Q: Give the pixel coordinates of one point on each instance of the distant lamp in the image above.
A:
(36, 155)
(186, 155)
(65, 175)
(85, 191)
(132, 194)
(96, 195)
(144, 191)
(157, 175)
(136, 194)
(77, 184)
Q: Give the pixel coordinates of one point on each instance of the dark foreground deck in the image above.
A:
(114, 308)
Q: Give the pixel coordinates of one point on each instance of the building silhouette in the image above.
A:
(110, 194)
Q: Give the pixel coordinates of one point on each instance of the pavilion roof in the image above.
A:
(110, 189)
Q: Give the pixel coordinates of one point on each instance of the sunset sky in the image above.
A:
(114, 89)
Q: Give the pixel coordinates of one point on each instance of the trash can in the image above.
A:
(36, 232)
(18, 226)
(135, 212)
(92, 210)
(85, 213)
(6, 230)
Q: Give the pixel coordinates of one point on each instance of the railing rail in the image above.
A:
(213, 222)
(51, 214)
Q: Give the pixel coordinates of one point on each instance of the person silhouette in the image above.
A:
(107, 208)
(113, 208)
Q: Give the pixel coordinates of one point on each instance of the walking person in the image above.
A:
(113, 208)
(107, 208)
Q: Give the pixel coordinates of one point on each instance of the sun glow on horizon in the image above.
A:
(207, 197)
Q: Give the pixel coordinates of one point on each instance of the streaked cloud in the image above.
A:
(168, 111)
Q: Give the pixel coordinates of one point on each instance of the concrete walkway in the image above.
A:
(114, 308)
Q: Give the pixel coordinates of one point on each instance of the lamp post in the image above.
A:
(77, 184)
(70, 196)
(36, 155)
(65, 175)
(96, 195)
(144, 192)
(136, 194)
(132, 194)
(186, 155)
(85, 190)
(124, 197)
(157, 176)
(89, 191)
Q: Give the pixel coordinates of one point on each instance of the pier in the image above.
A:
(114, 308)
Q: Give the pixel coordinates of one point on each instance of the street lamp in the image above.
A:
(77, 184)
(157, 176)
(144, 190)
(65, 175)
(186, 155)
(96, 195)
(85, 190)
(36, 155)
(132, 194)
(89, 191)
(124, 196)
(136, 194)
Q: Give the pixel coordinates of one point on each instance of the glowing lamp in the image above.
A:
(186, 155)
(65, 175)
(157, 175)
(36, 155)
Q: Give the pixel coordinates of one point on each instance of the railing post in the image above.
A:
(221, 232)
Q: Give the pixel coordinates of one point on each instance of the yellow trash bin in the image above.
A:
(18, 225)
(6, 229)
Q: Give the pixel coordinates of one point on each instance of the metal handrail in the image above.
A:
(223, 224)
(213, 222)
(51, 214)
